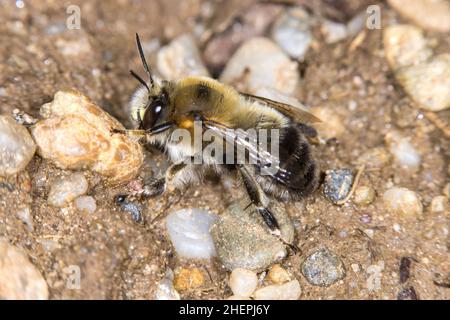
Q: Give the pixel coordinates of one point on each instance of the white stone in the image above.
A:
(24, 214)
(66, 189)
(428, 84)
(16, 146)
(259, 62)
(166, 291)
(243, 282)
(334, 31)
(189, 232)
(403, 151)
(405, 45)
(19, 278)
(403, 202)
(86, 203)
(180, 59)
(288, 291)
(292, 32)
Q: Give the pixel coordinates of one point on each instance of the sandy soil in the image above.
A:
(120, 258)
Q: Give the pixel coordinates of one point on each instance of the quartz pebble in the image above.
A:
(243, 282)
(364, 195)
(24, 214)
(261, 63)
(76, 134)
(292, 32)
(403, 151)
(278, 275)
(403, 202)
(288, 291)
(16, 146)
(86, 204)
(66, 189)
(180, 58)
(432, 15)
(428, 84)
(188, 278)
(165, 289)
(242, 240)
(439, 204)
(323, 268)
(333, 31)
(189, 232)
(405, 45)
(19, 278)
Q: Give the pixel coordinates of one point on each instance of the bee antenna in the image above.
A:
(138, 78)
(144, 62)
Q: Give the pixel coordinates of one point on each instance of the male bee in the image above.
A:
(160, 107)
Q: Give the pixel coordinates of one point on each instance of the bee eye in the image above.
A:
(152, 113)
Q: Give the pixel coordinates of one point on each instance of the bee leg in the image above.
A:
(259, 199)
(167, 183)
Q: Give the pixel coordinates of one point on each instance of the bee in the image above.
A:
(160, 107)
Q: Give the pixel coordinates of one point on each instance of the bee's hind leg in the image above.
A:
(259, 199)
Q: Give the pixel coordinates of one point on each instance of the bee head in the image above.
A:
(150, 100)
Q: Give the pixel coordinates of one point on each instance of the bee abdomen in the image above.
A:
(299, 173)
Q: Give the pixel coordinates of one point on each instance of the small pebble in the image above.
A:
(323, 268)
(86, 204)
(364, 195)
(24, 214)
(242, 240)
(16, 146)
(405, 45)
(337, 184)
(180, 58)
(165, 289)
(366, 218)
(403, 151)
(188, 278)
(261, 63)
(189, 232)
(428, 84)
(243, 282)
(407, 294)
(439, 204)
(288, 291)
(292, 32)
(19, 278)
(432, 15)
(66, 189)
(403, 202)
(333, 31)
(278, 275)
(76, 134)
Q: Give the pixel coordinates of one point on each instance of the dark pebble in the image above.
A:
(337, 184)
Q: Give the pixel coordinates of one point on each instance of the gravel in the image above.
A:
(243, 241)
(180, 58)
(337, 184)
(288, 291)
(403, 202)
(259, 62)
(243, 282)
(189, 232)
(364, 195)
(19, 278)
(432, 15)
(65, 189)
(16, 146)
(188, 279)
(292, 32)
(323, 268)
(402, 150)
(428, 84)
(76, 134)
(86, 204)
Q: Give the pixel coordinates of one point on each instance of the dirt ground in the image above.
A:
(120, 258)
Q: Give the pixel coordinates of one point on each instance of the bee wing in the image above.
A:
(265, 161)
(296, 113)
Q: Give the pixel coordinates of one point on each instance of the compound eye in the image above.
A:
(152, 114)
